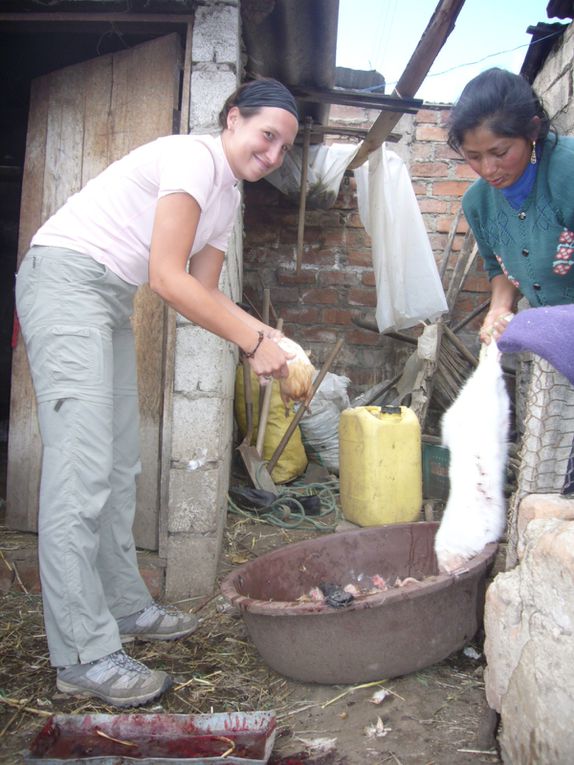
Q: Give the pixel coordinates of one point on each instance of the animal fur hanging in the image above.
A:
(475, 429)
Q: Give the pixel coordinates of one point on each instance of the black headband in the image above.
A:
(267, 93)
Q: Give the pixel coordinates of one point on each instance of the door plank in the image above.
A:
(146, 80)
(97, 105)
(64, 139)
(82, 118)
(25, 448)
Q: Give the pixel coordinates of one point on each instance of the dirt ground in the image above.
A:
(437, 716)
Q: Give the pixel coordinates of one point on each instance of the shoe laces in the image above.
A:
(162, 610)
(155, 611)
(127, 663)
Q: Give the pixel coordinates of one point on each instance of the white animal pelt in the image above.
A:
(475, 429)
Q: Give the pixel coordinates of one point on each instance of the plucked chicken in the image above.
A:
(297, 386)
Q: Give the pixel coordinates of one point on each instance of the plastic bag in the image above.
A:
(409, 288)
(326, 167)
(320, 426)
(293, 461)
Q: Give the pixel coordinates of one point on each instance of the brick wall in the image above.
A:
(440, 178)
(336, 283)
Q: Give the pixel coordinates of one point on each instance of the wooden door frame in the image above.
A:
(159, 24)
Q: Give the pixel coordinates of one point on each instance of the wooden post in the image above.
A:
(265, 401)
(303, 192)
(302, 407)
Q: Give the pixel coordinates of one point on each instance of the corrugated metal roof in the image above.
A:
(560, 9)
(294, 41)
(544, 38)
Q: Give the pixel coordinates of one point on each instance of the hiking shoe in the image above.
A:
(117, 679)
(156, 622)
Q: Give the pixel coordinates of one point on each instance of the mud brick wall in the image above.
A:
(336, 283)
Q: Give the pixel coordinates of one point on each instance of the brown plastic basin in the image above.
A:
(379, 636)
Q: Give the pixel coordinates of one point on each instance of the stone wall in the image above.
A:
(529, 626)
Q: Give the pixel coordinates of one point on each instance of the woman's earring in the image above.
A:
(533, 155)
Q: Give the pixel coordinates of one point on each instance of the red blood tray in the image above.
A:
(238, 738)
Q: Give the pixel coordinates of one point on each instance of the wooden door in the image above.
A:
(81, 119)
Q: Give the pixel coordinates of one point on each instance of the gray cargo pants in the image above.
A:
(75, 320)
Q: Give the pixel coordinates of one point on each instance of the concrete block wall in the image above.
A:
(336, 283)
(202, 417)
(555, 83)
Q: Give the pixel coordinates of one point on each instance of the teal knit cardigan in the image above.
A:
(534, 245)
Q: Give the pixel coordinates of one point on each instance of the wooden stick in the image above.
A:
(463, 263)
(372, 327)
(266, 304)
(473, 314)
(447, 250)
(23, 706)
(461, 347)
(265, 406)
(302, 409)
(185, 109)
(382, 388)
(303, 193)
(263, 388)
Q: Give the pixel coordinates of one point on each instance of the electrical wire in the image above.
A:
(500, 53)
(292, 516)
(485, 58)
(384, 34)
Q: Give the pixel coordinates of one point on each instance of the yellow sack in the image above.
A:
(293, 462)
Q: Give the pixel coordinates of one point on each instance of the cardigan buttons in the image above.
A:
(522, 215)
(526, 253)
(536, 286)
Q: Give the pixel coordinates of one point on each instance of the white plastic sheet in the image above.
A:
(326, 167)
(408, 284)
(320, 426)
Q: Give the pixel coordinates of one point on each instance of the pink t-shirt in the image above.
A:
(112, 217)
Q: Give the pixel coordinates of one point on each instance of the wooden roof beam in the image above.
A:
(346, 97)
(108, 16)
(434, 37)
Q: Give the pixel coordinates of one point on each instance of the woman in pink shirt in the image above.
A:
(162, 214)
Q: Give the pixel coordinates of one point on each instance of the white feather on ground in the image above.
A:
(475, 429)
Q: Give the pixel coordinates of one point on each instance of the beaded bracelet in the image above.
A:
(252, 353)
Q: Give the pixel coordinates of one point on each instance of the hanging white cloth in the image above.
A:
(325, 170)
(408, 284)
